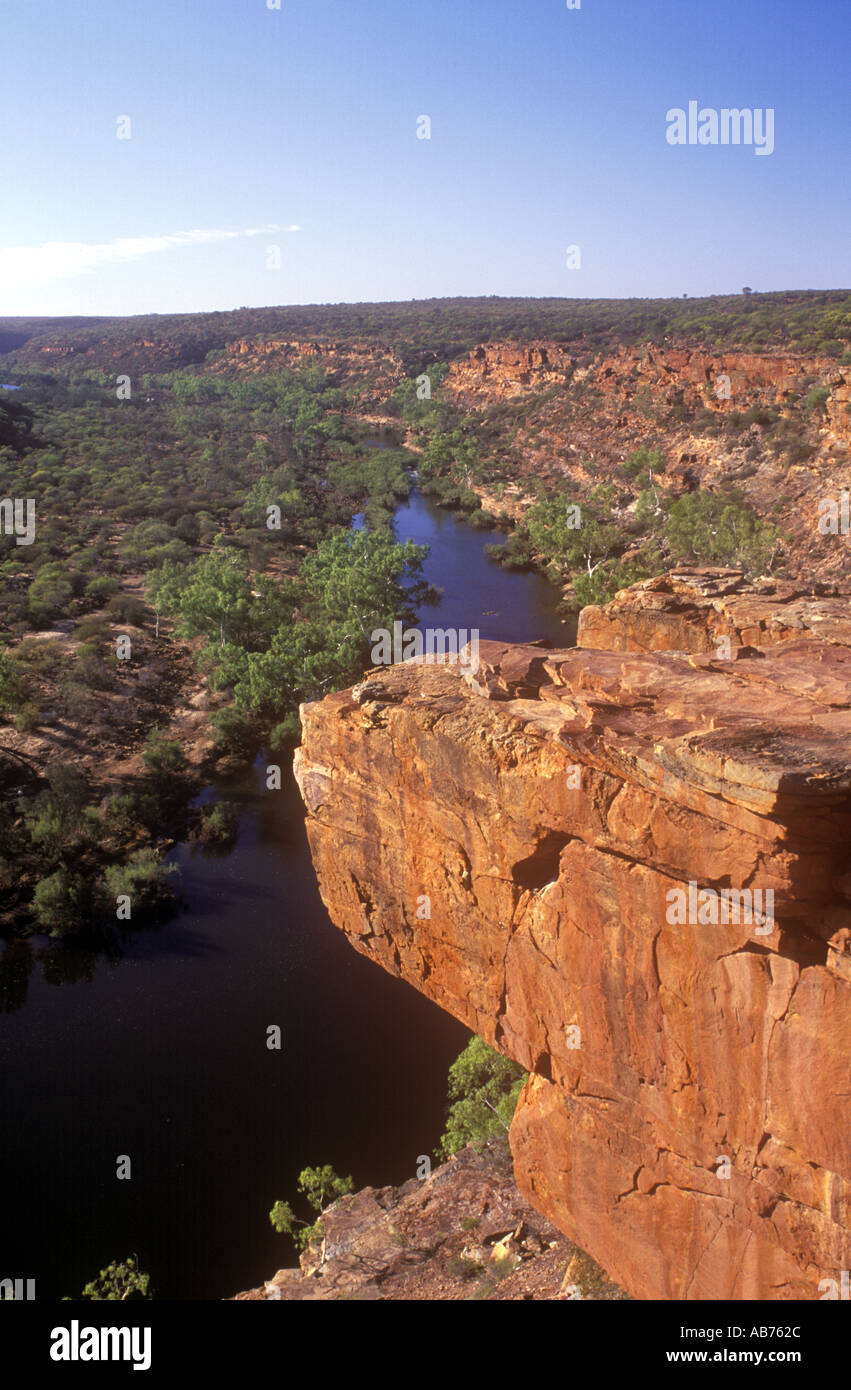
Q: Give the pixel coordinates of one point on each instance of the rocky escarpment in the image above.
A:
(632, 378)
(774, 427)
(629, 871)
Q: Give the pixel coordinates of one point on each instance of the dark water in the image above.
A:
(476, 593)
(161, 1055)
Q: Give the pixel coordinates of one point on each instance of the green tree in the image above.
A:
(322, 1187)
(49, 594)
(120, 1281)
(57, 817)
(62, 902)
(569, 537)
(483, 1090)
(364, 576)
(615, 574)
(644, 460)
(354, 583)
(218, 598)
(716, 528)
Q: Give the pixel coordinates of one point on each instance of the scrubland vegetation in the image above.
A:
(195, 525)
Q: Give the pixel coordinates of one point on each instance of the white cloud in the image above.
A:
(63, 260)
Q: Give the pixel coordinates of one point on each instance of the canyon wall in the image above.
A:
(543, 848)
(775, 427)
(630, 378)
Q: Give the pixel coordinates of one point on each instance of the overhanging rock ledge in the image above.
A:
(511, 845)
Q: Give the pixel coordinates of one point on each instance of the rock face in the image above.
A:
(695, 610)
(773, 426)
(463, 1232)
(629, 871)
(683, 376)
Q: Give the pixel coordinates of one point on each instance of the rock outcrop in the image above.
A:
(463, 1232)
(629, 871)
(698, 610)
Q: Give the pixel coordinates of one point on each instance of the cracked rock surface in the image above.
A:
(510, 843)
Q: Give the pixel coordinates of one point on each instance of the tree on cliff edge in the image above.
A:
(322, 1187)
(483, 1089)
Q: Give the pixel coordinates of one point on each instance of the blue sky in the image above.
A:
(297, 128)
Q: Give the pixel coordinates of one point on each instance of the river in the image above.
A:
(160, 1054)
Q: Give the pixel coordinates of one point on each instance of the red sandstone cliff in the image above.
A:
(576, 419)
(669, 376)
(509, 845)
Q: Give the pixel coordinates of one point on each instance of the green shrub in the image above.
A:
(49, 595)
(62, 902)
(613, 575)
(130, 811)
(101, 589)
(163, 756)
(797, 450)
(644, 460)
(36, 654)
(219, 823)
(11, 684)
(27, 718)
(92, 628)
(761, 415)
(55, 818)
(285, 734)
(515, 554)
(126, 608)
(462, 1268)
(234, 732)
(144, 879)
(90, 670)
